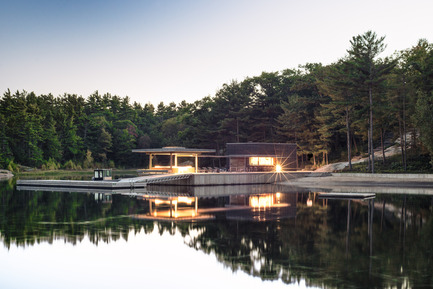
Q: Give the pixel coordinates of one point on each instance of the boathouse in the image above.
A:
(261, 157)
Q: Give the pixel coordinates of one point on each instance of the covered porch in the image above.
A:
(174, 153)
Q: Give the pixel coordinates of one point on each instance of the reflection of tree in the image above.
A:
(31, 217)
(311, 246)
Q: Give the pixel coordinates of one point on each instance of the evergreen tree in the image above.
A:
(368, 72)
(51, 146)
(71, 142)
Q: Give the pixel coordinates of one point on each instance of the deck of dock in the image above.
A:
(200, 179)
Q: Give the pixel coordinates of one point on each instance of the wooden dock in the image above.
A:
(190, 180)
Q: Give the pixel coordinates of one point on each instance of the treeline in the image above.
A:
(332, 112)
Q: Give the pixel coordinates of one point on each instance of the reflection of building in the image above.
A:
(263, 207)
(104, 198)
(174, 207)
(261, 156)
(180, 208)
(253, 207)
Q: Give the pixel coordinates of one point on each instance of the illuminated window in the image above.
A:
(261, 161)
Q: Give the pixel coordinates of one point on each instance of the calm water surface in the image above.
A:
(238, 237)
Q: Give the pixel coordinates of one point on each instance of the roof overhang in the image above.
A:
(254, 155)
(174, 150)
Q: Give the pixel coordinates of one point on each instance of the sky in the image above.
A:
(169, 51)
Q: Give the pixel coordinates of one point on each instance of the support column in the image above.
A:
(196, 163)
(175, 160)
(150, 161)
(171, 205)
(171, 162)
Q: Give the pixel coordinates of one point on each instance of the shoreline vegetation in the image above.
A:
(334, 113)
(83, 173)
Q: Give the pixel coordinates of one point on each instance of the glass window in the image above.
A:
(254, 161)
(261, 161)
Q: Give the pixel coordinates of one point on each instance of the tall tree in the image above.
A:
(369, 72)
(51, 145)
(231, 111)
(335, 82)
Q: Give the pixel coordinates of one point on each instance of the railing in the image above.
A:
(142, 172)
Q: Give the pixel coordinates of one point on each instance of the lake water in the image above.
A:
(231, 237)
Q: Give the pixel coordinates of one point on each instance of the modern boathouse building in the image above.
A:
(259, 157)
(241, 157)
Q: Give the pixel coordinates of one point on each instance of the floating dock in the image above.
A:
(347, 196)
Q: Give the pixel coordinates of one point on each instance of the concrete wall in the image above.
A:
(239, 178)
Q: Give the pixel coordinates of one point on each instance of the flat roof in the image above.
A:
(256, 155)
(173, 150)
(260, 143)
(261, 149)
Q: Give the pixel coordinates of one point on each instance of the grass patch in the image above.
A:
(416, 164)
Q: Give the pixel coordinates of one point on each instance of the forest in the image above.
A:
(352, 107)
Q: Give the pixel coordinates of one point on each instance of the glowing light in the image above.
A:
(309, 203)
(158, 202)
(278, 168)
(261, 201)
(184, 170)
(278, 195)
(185, 200)
(175, 214)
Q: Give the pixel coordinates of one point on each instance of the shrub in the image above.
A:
(51, 164)
(11, 166)
(70, 165)
(111, 164)
(88, 161)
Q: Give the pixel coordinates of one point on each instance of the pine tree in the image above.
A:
(368, 72)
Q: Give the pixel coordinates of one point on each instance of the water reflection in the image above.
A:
(273, 235)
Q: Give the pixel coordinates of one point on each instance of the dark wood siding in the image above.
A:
(284, 153)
